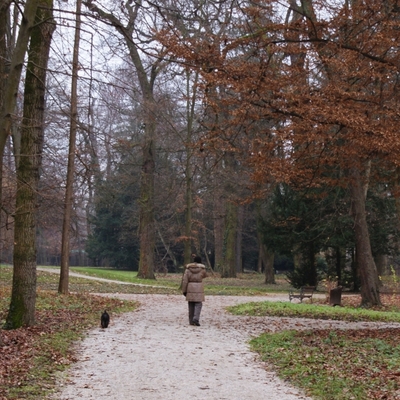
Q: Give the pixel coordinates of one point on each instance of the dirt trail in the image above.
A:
(153, 353)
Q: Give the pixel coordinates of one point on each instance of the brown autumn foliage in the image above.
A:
(302, 99)
(307, 94)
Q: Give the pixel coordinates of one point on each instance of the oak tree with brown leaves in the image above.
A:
(313, 86)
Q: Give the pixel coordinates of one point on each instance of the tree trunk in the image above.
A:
(69, 190)
(340, 263)
(366, 265)
(14, 75)
(260, 258)
(228, 268)
(239, 239)
(268, 257)
(381, 262)
(191, 93)
(11, 75)
(3, 74)
(187, 243)
(231, 221)
(146, 219)
(219, 223)
(23, 297)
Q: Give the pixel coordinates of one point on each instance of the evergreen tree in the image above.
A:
(114, 240)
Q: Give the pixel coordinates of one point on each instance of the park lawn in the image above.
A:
(333, 364)
(31, 357)
(244, 284)
(336, 364)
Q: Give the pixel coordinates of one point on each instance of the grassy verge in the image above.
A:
(30, 357)
(289, 310)
(336, 365)
(244, 285)
(49, 281)
(333, 364)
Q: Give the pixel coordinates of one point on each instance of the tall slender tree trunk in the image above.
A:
(340, 263)
(11, 74)
(14, 75)
(231, 219)
(69, 189)
(187, 243)
(239, 239)
(3, 73)
(229, 266)
(191, 93)
(146, 218)
(23, 297)
(219, 224)
(364, 259)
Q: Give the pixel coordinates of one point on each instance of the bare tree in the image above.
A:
(69, 193)
(11, 68)
(146, 76)
(23, 297)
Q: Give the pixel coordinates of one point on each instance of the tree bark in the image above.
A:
(266, 257)
(239, 239)
(229, 265)
(3, 74)
(187, 243)
(269, 258)
(146, 218)
(11, 74)
(231, 219)
(219, 223)
(23, 297)
(14, 75)
(340, 263)
(364, 259)
(69, 190)
(191, 93)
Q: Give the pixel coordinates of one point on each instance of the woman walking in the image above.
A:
(193, 289)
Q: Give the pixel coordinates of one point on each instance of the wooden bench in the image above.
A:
(306, 292)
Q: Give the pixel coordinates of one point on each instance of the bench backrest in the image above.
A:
(307, 289)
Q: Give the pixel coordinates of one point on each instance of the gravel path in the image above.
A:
(153, 353)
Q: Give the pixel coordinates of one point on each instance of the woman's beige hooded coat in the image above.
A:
(192, 283)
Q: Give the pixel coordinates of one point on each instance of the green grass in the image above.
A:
(335, 365)
(243, 285)
(332, 364)
(116, 275)
(328, 365)
(31, 357)
(289, 310)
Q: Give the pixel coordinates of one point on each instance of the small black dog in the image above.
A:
(105, 319)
